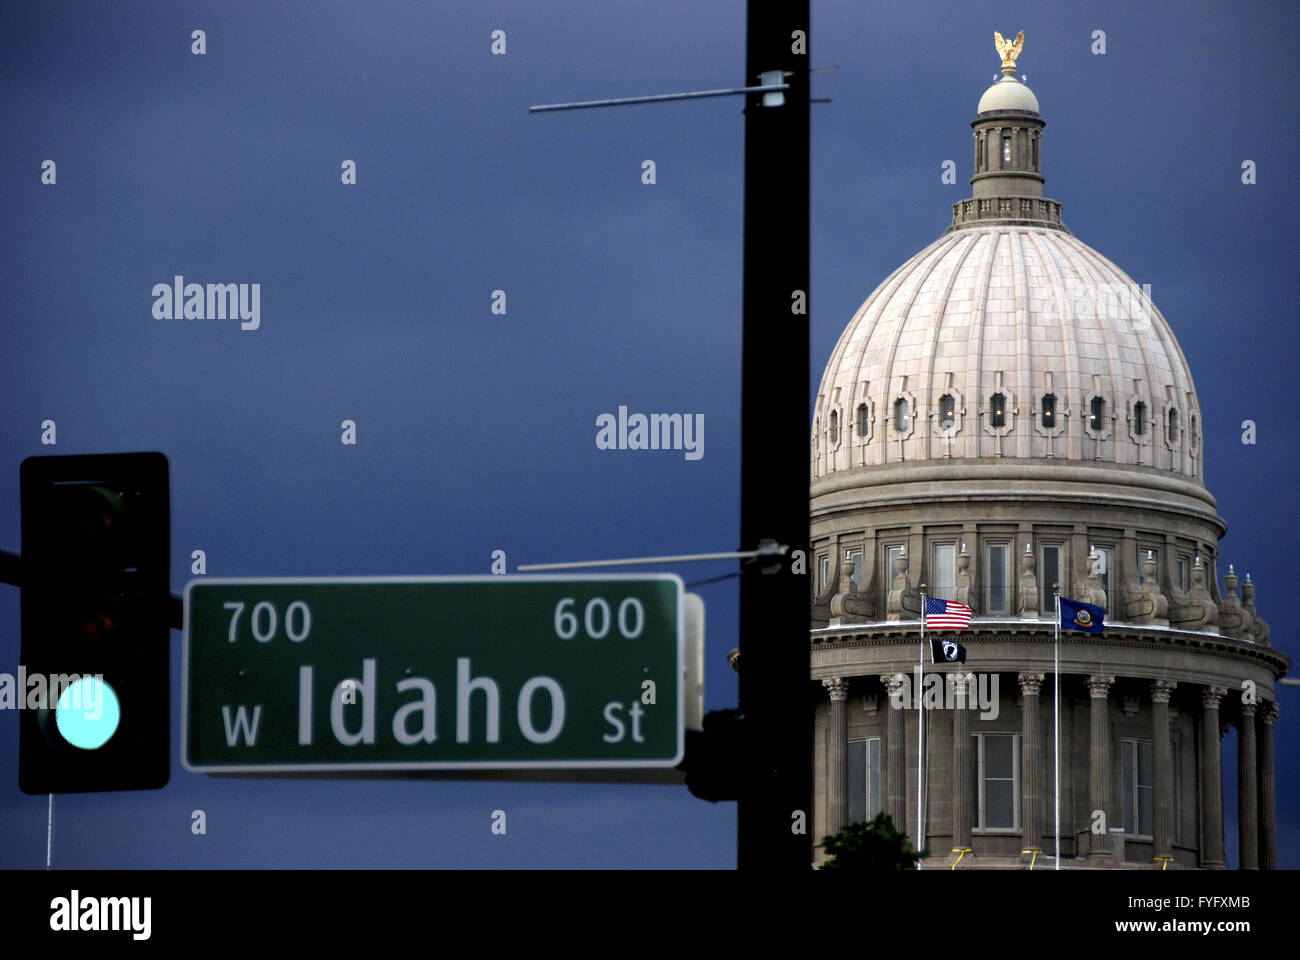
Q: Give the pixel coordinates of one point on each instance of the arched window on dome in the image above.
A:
(1139, 418)
(864, 422)
(1049, 411)
(835, 426)
(1171, 427)
(947, 412)
(1097, 423)
(998, 410)
(902, 415)
(1006, 150)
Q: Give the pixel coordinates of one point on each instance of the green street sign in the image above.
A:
(433, 673)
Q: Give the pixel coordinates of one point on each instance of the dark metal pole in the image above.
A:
(775, 808)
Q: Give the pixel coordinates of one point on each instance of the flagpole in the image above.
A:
(1056, 709)
(920, 734)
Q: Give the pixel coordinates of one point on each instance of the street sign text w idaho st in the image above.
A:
(433, 673)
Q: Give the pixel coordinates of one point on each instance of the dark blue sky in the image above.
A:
(477, 431)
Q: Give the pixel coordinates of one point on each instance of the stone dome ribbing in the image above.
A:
(1008, 338)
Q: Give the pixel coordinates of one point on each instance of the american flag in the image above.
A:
(946, 615)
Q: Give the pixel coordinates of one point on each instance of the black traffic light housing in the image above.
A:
(96, 561)
(714, 758)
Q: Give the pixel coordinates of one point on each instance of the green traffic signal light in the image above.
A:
(87, 713)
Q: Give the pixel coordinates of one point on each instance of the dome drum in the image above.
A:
(967, 532)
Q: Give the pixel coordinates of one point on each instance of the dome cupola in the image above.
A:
(1007, 186)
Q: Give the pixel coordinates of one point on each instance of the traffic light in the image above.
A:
(714, 759)
(94, 673)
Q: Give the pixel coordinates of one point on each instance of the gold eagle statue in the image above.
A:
(1009, 49)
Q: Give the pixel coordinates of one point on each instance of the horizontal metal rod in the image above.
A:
(636, 561)
(769, 88)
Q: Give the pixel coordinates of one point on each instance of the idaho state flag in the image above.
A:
(1077, 615)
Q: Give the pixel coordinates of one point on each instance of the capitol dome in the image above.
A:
(1007, 431)
(1007, 341)
(1008, 338)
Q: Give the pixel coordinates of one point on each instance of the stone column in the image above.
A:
(1211, 780)
(1267, 789)
(837, 759)
(1031, 789)
(961, 762)
(1162, 794)
(1247, 795)
(1099, 763)
(895, 754)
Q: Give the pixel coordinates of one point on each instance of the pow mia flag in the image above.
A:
(947, 651)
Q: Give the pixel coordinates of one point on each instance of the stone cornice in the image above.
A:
(987, 479)
(1158, 640)
(1022, 115)
(1010, 174)
(891, 501)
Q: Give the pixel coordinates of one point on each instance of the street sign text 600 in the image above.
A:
(597, 619)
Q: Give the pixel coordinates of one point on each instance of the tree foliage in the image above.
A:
(873, 846)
